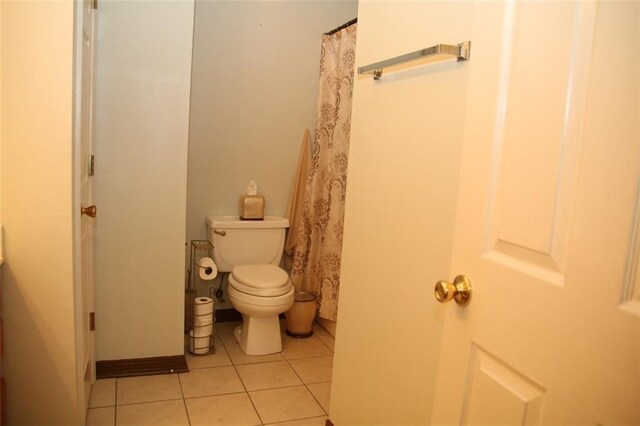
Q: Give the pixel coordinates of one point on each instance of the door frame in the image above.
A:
(80, 321)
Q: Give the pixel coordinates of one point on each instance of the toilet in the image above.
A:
(251, 250)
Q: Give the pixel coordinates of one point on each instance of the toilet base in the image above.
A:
(259, 335)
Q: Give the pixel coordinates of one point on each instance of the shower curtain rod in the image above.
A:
(342, 27)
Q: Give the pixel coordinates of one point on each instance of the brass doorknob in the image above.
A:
(89, 211)
(459, 290)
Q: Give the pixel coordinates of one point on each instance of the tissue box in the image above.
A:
(252, 207)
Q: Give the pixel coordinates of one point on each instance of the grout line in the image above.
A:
(212, 396)
(184, 401)
(225, 347)
(311, 357)
(244, 385)
(328, 347)
(115, 410)
(296, 373)
(248, 396)
(314, 397)
(233, 364)
(148, 402)
(302, 418)
(307, 387)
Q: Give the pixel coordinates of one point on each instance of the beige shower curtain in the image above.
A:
(317, 249)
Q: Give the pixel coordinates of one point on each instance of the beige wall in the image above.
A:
(37, 95)
(404, 161)
(142, 116)
(254, 91)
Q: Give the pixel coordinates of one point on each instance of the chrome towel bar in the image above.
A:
(461, 52)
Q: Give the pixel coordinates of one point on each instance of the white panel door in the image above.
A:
(86, 193)
(547, 221)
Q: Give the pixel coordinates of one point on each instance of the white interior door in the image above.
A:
(86, 193)
(547, 222)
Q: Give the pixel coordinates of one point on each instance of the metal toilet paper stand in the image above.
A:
(199, 248)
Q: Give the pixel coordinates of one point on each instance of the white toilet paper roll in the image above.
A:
(207, 268)
(200, 320)
(203, 330)
(203, 306)
(198, 345)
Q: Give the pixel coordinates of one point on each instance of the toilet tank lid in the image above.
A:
(231, 222)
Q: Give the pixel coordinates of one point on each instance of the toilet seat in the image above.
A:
(260, 280)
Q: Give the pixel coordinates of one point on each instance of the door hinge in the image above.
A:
(92, 165)
(92, 321)
(95, 4)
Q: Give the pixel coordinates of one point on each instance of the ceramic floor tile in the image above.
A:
(322, 393)
(131, 390)
(103, 393)
(238, 357)
(225, 331)
(153, 413)
(313, 370)
(210, 381)
(328, 340)
(235, 409)
(304, 348)
(319, 327)
(217, 359)
(313, 421)
(104, 416)
(279, 405)
(268, 375)
(318, 330)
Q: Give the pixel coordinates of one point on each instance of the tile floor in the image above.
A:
(227, 388)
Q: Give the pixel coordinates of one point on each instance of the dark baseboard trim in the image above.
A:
(228, 315)
(141, 366)
(328, 423)
(3, 402)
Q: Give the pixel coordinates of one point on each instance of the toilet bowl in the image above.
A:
(260, 293)
(259, 289)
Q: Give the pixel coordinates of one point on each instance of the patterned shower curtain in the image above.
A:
(318, 246)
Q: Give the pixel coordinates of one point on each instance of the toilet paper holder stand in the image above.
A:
(197, 345)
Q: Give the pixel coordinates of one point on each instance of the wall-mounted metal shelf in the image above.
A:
(461, 52)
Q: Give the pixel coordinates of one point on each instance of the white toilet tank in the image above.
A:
(246, 242)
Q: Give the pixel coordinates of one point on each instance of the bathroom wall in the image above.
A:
(254, 92)
(39, 361)
(142, 116)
